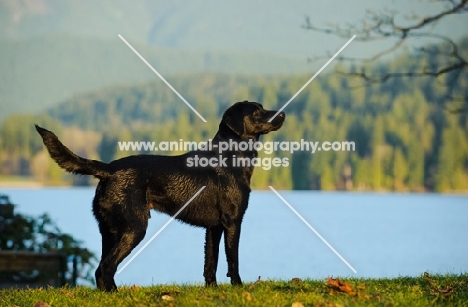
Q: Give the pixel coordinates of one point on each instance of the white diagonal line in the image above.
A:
(160, 230)
(161, 77)
(312, 228)
(313, 77)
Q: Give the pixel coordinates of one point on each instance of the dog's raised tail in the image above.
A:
(69, 161)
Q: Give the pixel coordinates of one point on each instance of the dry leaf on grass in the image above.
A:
(446, 291)
(41, 304)
(340, 286)
(252, 285)
(247, 296)
(297, 304)
(167, 297)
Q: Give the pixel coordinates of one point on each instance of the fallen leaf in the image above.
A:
(365, 296)
(361, 287)
(41, 304)
(447, 291)
(296, 279)
(297, 304)
(252, 285)
(167, 297)
(429, 279)
(222, 295)
(247, 296)
(340, 286)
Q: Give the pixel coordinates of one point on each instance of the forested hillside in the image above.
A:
(405, 138)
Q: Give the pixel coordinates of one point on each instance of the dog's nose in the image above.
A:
(282, 115)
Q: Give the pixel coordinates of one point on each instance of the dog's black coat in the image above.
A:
(131, 186)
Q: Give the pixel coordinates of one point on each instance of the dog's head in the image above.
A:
(250, 120)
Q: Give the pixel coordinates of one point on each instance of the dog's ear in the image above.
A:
(234, 119)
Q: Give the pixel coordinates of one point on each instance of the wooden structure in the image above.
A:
(21, 269)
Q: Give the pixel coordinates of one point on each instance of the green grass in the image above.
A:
(449, 290)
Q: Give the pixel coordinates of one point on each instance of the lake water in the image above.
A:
(380, 235)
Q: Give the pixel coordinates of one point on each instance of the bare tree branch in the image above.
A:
(381, 26)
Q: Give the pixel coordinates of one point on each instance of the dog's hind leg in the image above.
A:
(123, 225)
(108, 242)
(212, 239)
(126, 242)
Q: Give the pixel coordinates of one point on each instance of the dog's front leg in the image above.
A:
(213, 236)
(231, 242)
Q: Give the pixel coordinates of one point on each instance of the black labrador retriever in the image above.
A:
(131, 186)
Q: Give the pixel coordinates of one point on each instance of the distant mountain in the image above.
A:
(51, 50)
(204, 25)
(38, 73)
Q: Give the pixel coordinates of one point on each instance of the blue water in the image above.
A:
(379, 235)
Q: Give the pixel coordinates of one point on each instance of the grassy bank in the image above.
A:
(450, 290)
